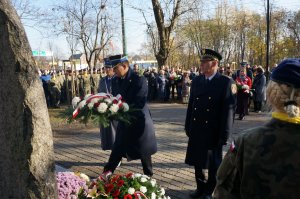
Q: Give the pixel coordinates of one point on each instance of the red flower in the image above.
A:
(120, 105)
(120, 183)
(115, 178)
(115, 101)
(129, 175)
(96, 104)
(116, 193)
(127, 196)
(109, 187)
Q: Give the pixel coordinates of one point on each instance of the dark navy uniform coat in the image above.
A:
(210, 116)
(137, 139)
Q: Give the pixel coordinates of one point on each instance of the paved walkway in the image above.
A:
(78, 149)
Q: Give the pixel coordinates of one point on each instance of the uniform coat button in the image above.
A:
(209, 97)
(206, 122)
(195, 108)
(207, 110)
(194, 119)
(197, 98)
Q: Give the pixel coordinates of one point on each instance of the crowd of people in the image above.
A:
(58, 85)
(166, 84)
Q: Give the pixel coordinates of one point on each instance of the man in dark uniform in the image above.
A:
(208, 122)
(137, 140)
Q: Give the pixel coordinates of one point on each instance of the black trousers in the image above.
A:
(116, 156)
(257, 105)
(205, 172)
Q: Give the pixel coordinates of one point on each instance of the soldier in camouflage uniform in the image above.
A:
(86, 78)
(264, 162)
(61, 79)
(55, 91)
(95, 79)
(80, 84)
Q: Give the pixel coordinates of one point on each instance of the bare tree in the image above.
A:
(86, 21)
(26, 146)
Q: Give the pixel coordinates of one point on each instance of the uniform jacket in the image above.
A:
(263, 163)
(138, 139)
(103, 86)
(210, 114)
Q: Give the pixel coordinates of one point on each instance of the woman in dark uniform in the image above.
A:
(107, 134)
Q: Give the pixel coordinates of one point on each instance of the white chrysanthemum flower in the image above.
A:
(125, 107)
(153, 195)
(162, 191)
(87, 96)
(153, 182)
(131, 190)
(137, 175)
(82, 104)
(145, 176)
(90, 105)
(108, 101)
(95, 100)
(143, 189)
(114, 108)
(75, 101)
(102, 108)
(85, 177)
(168, 197)
(143, 179)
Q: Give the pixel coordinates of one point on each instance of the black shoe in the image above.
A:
(196, 194)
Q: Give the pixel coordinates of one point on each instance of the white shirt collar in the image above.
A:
(212, 76)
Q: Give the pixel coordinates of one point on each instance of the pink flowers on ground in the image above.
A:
(69, 185)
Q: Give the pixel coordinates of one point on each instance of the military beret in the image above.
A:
(116, 59)
(107, 63)
(287, 72)
(210, 54)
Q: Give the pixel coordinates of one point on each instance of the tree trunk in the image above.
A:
(26, 146)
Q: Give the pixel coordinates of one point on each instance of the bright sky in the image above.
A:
(135, 24)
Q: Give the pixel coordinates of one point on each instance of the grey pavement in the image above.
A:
(77, 148)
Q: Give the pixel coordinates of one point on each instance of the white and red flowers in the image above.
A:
(129, 186)
(101, 107)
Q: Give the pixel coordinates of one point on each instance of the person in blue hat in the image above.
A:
(107, 134)
(264, 162)
(208, 121)
(137, 140)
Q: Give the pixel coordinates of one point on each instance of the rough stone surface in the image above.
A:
(26, 144)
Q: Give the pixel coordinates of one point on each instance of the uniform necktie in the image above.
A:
(207, 81)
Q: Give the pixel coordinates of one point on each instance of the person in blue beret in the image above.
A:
(107, 134)
(264, 163)
(137, 140)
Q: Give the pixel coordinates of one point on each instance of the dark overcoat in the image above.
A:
(259, 84)
(137, 139)
(209, 116)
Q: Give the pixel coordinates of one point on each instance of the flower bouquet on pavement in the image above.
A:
(70, 184)
(101, 108)
(129, 186)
